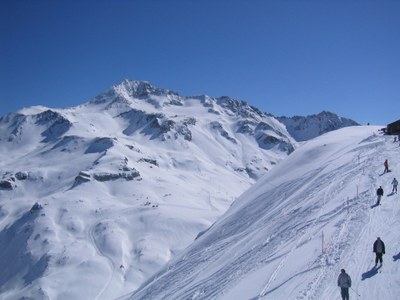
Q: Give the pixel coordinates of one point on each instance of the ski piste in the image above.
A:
(244, 256)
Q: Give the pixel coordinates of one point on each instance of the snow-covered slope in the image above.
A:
(289, 235)
(123, 183)
(305, 128)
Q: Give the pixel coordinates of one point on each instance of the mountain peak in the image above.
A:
(131, 89)
(139, 89)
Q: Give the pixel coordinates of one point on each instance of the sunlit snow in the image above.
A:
(144, 194)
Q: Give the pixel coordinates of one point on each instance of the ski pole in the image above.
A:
(355, 292)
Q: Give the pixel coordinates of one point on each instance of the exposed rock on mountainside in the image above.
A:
(305, 128)
(117, 178)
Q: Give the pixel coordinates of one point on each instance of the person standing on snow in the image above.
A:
(395, 183)
(379, 193)
(379, 249)
(386, 164)
(344, 282)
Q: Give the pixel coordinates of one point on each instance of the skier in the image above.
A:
(379, 193)
(395, 183)
(386, 164)
(344, 282)
(379, 249)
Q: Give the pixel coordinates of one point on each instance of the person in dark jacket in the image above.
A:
(379, 250)
(379, 193)
(386, 165)
(344, 282)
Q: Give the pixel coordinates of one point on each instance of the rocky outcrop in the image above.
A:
(305, 128)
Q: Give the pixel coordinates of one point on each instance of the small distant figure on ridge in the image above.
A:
(395, 184)
(386, 164)
(379, 250)
(379, 193)
(344, 282)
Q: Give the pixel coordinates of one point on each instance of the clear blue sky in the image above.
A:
(284, 57)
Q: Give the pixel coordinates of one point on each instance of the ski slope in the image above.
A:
(289, 235)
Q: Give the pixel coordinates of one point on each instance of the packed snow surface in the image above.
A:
(105, 201)
(289, 235)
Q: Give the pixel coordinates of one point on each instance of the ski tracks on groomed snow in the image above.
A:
(350, 230)
(380, 221)
(353, 232)
(327, 263)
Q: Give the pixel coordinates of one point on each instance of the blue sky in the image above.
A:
(284, 57)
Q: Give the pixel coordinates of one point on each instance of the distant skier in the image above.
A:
(379, 193)
(379, 250)
(394, 183)
(344, 282)
(386, 164)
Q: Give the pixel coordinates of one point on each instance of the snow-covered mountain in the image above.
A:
(290, 234)
(116, 180)
(308, 127)
(97, 198)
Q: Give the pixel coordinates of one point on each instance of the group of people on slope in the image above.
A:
(379, 191)
(344, 279)
(395, 183)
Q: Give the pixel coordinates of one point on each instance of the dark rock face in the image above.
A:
(6, 185)
(305, 128)
(127, 174)
(57, 125)
(22, 175)
(157, 125)
(216, 126)
(149, 161)
(104, 176)
(82, 178)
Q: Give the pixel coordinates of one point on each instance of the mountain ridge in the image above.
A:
(134, 156)
(308, 127)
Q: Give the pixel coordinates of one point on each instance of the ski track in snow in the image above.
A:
(353, 222)
(321, 262)
(379, 217)
(251, 242)
(328, 261)
(368, 217)
(109, 261)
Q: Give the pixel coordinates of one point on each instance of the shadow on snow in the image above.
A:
(370, 273)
